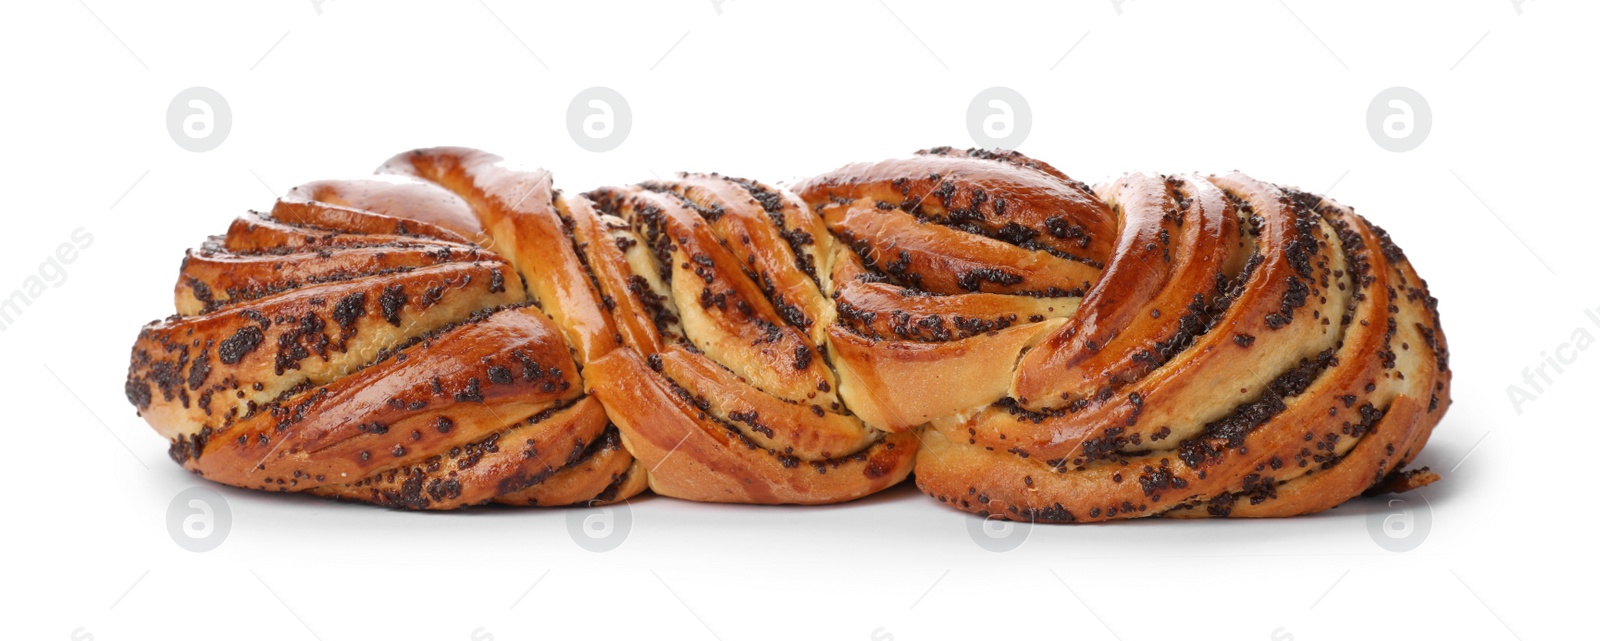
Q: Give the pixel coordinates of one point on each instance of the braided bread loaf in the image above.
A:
(1040, 350)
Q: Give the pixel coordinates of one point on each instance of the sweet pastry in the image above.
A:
(727, 390)
(698, 324)
(1160, 345)
(357, 342)
(456, 331)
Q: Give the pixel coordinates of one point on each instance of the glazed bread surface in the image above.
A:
(355, 342)
(455, 331)
(1236, 348)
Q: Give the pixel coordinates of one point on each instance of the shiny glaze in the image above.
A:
(1347, 411)
(1235, 357)
(328, 432)
(724, 312)
(519, 210)
(212, 280)
(1181, 346)
(1052, 209)
(700, 459)
(884, 311)
(942, 260)
(718, 283)
(400, 197)
(965, 259)
(1169, 251)
(365, 347)
(509, 465)
(792, 428)
(213, 369)
(310, 213)
(259, 233)
(771, 238)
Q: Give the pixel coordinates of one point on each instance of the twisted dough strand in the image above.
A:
(353, 344)
(1040, 350)
(1128, 408)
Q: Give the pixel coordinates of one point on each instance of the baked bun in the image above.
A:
(1239, 348)
(357, 342)
(456, 330)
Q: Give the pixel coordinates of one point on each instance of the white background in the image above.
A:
(1494, 208)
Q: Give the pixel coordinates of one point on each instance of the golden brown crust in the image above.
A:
(360, 348)
(398, 196)
(519, 208)
(1328, 335)
(723, 392)
(698, 455)
(952, 265)
(456, 331)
